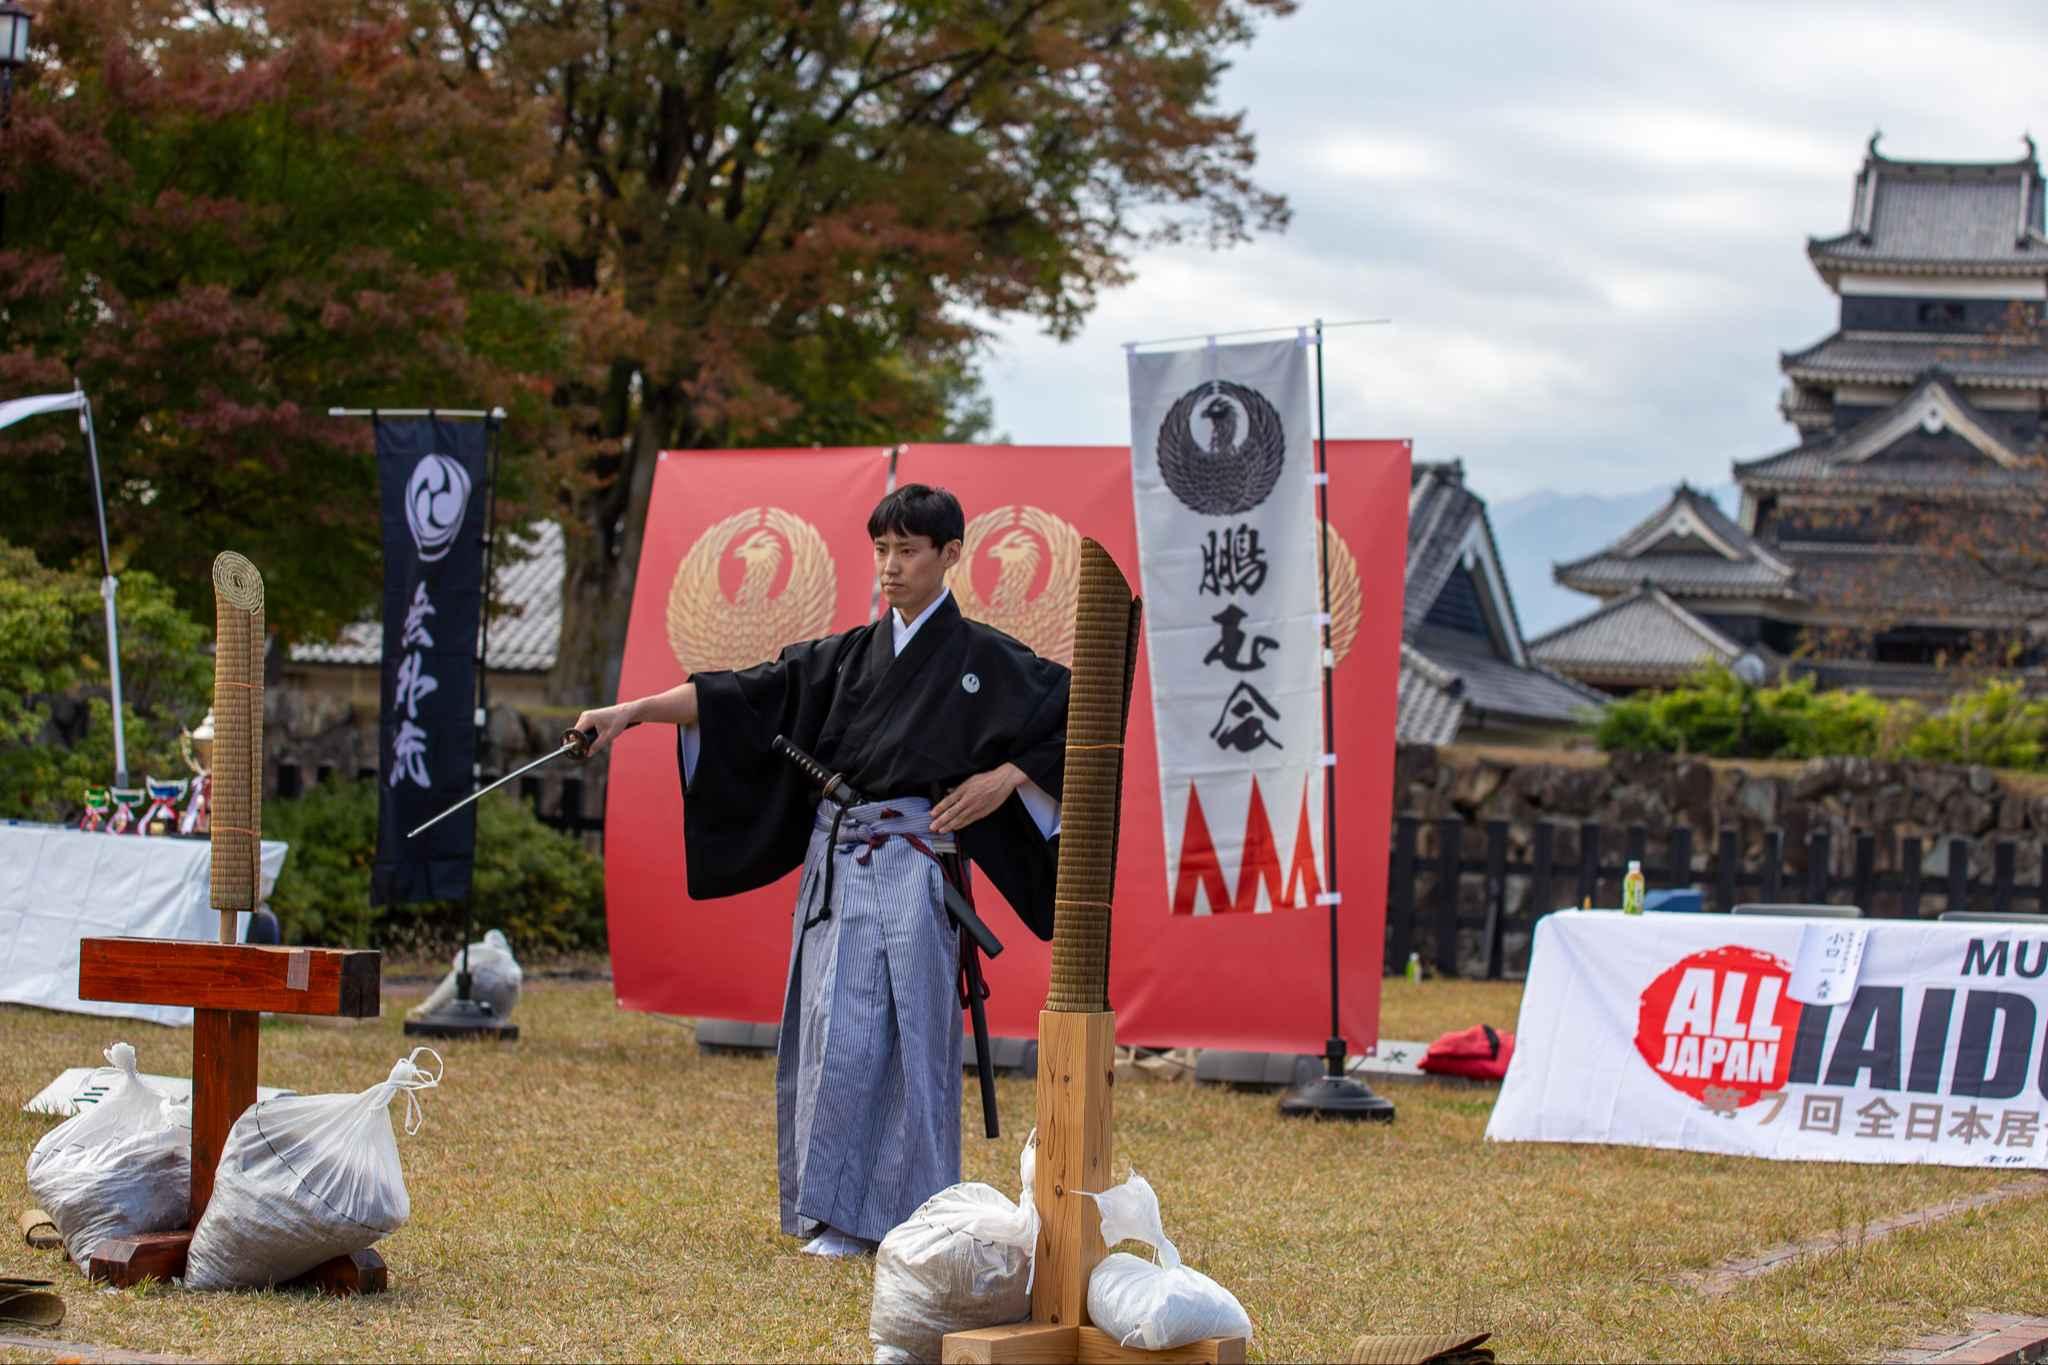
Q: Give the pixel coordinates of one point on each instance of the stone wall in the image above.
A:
(1843, 796)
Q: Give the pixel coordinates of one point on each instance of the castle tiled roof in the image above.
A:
(1642, 638)
(1688, 546)
(1888, 358)
(1934, 438)
(526, 627)
(1975, 218)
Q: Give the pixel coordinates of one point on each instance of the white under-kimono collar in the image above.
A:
(904, 632)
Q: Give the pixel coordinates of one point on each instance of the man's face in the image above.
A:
(912, 569)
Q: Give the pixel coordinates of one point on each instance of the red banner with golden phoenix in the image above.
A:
(746, 551)
(1251, 980)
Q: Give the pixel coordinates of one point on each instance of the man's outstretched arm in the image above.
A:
(677, 706)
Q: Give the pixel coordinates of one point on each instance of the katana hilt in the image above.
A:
(834, 785)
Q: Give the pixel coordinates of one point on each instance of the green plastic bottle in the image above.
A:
(1413, 971)
(1632, 890)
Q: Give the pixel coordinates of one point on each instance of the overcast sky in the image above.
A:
(1588, 221)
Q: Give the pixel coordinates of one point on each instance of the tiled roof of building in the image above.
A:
(1643, 637)
(1954, 217)
(1886, 358)
(1498, 689)
(1448, 675)
(1441, 511)
(1430, 701)
(1931, 438)
(525, 630)
(1688, 546)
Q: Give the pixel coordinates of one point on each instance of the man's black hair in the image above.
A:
(918, 509)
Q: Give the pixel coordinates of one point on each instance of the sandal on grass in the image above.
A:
(31, 1303)
(39, 1229)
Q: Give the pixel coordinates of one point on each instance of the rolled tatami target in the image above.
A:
(237, 773)
(1098, 707)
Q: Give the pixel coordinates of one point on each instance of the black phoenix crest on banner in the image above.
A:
(1226, 476)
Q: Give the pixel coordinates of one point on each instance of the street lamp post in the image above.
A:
(14, 22)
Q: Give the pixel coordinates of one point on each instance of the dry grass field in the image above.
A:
(599, 1190)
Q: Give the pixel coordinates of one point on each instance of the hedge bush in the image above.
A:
(542, 887)
(1717, 714)
(56, 719)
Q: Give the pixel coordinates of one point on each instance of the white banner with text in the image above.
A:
(1797, 1040)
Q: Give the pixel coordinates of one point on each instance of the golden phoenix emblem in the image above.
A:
(1346, 600)
(1037, 558)
(785, 591)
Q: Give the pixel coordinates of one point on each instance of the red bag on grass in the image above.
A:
(1477, 1053)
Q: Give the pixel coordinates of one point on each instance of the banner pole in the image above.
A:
(1333, 1094)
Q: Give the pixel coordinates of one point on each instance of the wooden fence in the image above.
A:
(1424, 914)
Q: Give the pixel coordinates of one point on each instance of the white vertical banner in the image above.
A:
(1222, 473)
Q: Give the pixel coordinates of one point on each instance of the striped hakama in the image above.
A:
(868, 1062)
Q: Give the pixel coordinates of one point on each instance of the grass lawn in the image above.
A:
(599, 1190)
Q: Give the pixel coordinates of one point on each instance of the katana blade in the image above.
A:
(577, 745)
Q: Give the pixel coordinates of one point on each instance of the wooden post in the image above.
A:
(228, 986)
(224, 1071)
(1076, 1071)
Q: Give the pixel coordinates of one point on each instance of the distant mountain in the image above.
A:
(1538, 530)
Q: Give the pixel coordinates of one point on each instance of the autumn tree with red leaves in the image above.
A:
(790, 214)
(223, 219)
(642, 225)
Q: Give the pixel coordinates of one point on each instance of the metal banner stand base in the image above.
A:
(462, 1018)
(1334, 1095)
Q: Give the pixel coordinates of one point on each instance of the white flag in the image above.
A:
(15, 409)
(1222, 470)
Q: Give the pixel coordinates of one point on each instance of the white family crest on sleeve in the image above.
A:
(970, 684)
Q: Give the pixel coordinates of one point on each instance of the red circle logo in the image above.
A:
(1720, 1019)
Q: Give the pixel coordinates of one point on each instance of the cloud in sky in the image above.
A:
(1587, 222)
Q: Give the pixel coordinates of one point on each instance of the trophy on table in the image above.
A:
(197, 748)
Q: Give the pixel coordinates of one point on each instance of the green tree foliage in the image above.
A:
(543, 888)
(1718, 715)
(56, 720)
(223, 219)
(793, 219)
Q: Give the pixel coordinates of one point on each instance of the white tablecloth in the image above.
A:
(1680, 1030)
(59, 885)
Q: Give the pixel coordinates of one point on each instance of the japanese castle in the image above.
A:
(1920, 421)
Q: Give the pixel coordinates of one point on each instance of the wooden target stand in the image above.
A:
(229, 986)
(1077, 1037)
(1076, 1074)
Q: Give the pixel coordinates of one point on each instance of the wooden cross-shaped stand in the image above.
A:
(229, 986)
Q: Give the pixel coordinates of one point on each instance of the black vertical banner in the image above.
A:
(432, 474)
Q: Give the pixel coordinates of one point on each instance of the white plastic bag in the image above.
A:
(963, 1260)
(119, 1167)
(494, 978)
(306, 1178)
(1154, 1307)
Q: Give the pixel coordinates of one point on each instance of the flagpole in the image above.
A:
(1333, 1094)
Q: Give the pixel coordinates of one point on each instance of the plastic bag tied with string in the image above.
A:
(1154, 1307)
(963, 1260)
(304, 1179)
(119, 1167)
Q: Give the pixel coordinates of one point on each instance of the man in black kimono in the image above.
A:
(958, 733)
